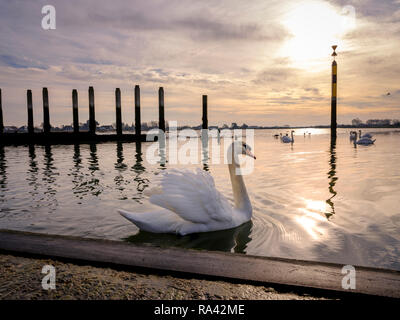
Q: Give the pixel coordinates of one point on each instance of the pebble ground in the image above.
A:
(21, 278)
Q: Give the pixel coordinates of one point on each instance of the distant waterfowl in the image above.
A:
(353, 135)
(276, 136)
(365, 141)
(190, 202)
(366, 135)
(286, 139)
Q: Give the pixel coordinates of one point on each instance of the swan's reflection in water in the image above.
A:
(231, 240)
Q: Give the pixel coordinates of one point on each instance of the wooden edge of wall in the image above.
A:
(287, 272)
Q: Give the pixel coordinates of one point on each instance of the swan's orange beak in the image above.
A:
(248, 152)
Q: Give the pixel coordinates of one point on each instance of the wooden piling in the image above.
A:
(1, 116)
(30, 111)
(205, 118)
(118, 116)
(161, 118)
(138, 129)
(75, 113)
(92, 117)
(46, 112)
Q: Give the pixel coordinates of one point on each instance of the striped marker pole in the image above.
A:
(334, 95)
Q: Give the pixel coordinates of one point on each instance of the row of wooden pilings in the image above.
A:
(92, 117)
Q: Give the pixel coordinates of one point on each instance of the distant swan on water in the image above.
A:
(286, 139)
(366, 135)
(364, 141)
(190, 203)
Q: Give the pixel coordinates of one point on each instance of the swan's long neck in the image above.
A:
(242, 201)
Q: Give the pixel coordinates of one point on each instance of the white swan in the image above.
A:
(366, 135)
(190, 202)
(286, 139)
(365, 141)
(353, 135)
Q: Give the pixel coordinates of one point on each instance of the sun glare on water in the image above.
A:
(314, 26)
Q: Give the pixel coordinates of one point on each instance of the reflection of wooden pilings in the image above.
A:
(75, 113)
(92, 118)
(138, 128)
(118, 117)
(161, 119)
(1, 116)
(205, 119)
(30, 111)
(46, 112)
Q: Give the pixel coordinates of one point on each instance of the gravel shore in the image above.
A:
(21, 278)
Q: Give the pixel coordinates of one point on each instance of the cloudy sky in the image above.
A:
(260, 62)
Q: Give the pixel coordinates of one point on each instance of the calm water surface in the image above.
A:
(312, 200)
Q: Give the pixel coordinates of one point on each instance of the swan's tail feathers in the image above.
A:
(138, 219)
(132, 217)
(157, 221)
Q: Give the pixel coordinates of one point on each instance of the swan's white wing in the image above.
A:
(192, 196)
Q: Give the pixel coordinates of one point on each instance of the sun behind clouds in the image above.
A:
(314, 27)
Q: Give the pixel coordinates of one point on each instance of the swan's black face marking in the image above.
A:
(247, 150)
(246, 147)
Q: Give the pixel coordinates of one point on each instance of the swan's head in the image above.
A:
(239, 147)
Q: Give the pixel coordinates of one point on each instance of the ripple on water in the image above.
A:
(311, 200)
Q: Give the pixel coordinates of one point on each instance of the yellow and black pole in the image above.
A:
(334, 95)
